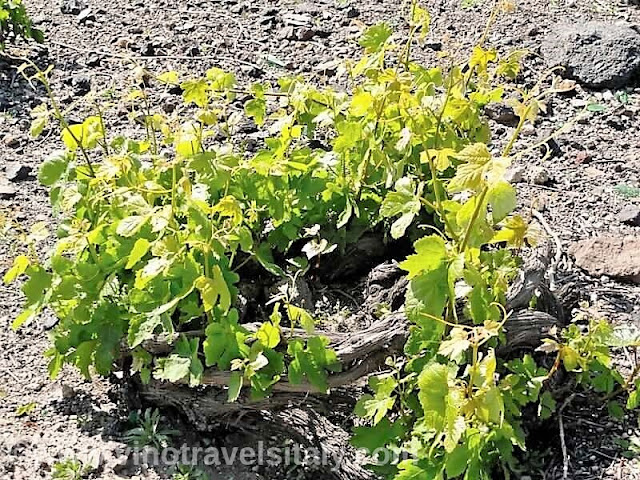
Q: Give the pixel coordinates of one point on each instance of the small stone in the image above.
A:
(435, 46)
(297, 20)
(286, 33)
(501, 113)
(147, 49)
(328, 68)
(68, 391)
(353, 12)
(582, 157)
(18, 173)
(528, 130)
(306, 34)
(123, 42)
(630, 215)
(11, 141)
(515, 175)
(81, 84)
(7, 192)
(72, 7)
(539, 176)
(94, 60)
(86, 15)
(253, 71)
(186, 27)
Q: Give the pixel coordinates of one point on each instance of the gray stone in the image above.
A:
(501, 113)
(616, 257)
(72, 7)
(81, 84)
(11, 141)
(596, 54)
(86, 15)
(7, 192)
(539, 176)
(630, 215)
(18, 173)
(515, 175)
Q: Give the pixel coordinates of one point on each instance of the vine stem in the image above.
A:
(485, 189)
(41, 76)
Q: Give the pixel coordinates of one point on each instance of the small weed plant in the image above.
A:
(189, 472)
(149, 431)
(157, 231)
(69, 469)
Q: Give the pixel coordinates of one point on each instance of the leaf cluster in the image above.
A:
(14, 21)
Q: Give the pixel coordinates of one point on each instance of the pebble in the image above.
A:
(539, 176)
(86, 15)
(7, 192)
(515, 175)
(286, 33)
(582, 157)
(630, 215)
(306, 34)
(353, 12)
(72, 7)
(501, 113)
(81, 84)
(11, 141)
(528, 130)
(93, 60)
(18, 173)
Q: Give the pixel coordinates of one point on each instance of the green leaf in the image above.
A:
(502, 198)
(405, 201)
(433, 383)
(224, 342)
(265, 258)
(430, 255)
(52, 168)
(269, 335)
(361, 104)
(410, 470)
(151, 270)
(214, 291)
(596, 107)
(634, 400)
(457, 460)
(129, 226)
(615, 410)
(196, 91)
(71, 134)
(378, 436)
(172, 368)
(427, 295)
(20, 264)
(235, 386)
(170, 77)
(27, 315)
(139, 250)
(141, 328)
(478, 169)
(301, 316)
(256, 108)
(375, 37)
